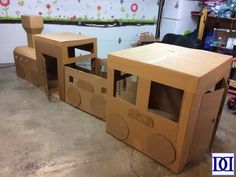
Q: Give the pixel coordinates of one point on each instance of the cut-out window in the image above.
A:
(77, 51)
(125, 86)
(165, 101)
(71, 79)
(103, 90)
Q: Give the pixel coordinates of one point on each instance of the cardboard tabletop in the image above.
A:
(184, 60)
(64, 37)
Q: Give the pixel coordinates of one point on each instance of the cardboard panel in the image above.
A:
(98, 105)
(26, 68)
(205, 123)
(91, 88)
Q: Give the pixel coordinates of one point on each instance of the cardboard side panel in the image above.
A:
(86, 91)
(26, 68)
(205, 123)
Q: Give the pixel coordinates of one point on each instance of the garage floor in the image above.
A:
(38, 138)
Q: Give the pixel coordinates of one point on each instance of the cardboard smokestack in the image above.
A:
(33, 24)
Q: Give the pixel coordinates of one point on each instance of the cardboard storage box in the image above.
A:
(86, 90)
(54, 51)
(166, 100)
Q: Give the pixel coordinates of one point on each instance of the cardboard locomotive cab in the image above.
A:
(166, 100)
(25, 57)
(54, 52)
(59, 56)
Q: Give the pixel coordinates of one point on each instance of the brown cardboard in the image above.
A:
(85, 91)
(155, 122)
(25, 57)
(33, 24)
(145, 37)
(60, 47)
(25, 61)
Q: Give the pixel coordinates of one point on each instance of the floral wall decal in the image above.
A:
(99, 8)
(78, 10)
(5, 4)
(49, 10)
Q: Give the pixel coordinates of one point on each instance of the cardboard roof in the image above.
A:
(64, 37)
(192, 62)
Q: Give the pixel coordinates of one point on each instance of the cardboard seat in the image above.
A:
(171, 110)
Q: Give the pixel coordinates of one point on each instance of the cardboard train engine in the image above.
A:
(164, 100)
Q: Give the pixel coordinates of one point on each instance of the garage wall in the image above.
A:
(109, 38)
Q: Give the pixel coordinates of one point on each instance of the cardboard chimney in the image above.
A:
(32, 24)
(166, 100)
(25, 57)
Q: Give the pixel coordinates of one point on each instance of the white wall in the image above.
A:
(12, 35)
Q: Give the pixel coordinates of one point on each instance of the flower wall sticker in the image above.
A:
(101, 11)
(99, 8)
(49, 10)
(134, 9)
(5, 4)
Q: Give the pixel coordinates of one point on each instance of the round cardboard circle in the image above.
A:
(118, 126)
(98, 106)
(160, 149)
(73, 96)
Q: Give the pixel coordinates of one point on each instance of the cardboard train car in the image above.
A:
(163, 100)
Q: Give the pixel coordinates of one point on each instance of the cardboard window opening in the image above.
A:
(51, 75)
(125, 86)
(165, 101)
(77, 51)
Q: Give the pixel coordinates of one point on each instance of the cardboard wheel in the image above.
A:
(20, 70)
(98, 106)
(118, 127)
(73, 96)
(160, 149)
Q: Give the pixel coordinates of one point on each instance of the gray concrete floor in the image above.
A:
(38, 138)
